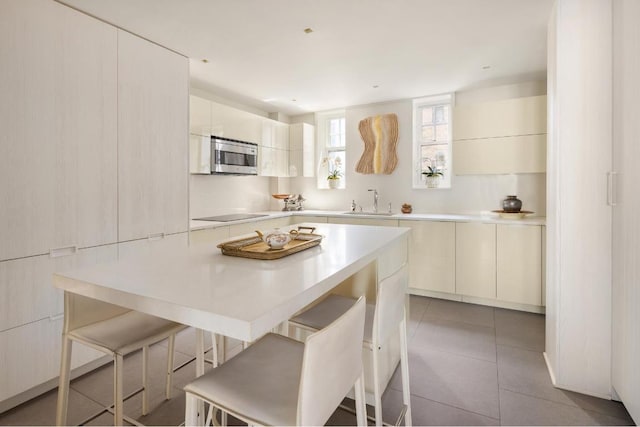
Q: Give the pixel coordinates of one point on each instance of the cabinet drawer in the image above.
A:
(364, 221)
(519, 263)
(26, 286)
(476, 259)
(264, 225)
(31, 356)
(208, 235)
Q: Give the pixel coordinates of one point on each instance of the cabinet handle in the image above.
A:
(611, 188)
(60, 252)
(155, 236)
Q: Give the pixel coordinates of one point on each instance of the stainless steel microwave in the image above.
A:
(217, 155)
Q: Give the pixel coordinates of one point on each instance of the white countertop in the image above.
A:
(489, 217)
(237, 297)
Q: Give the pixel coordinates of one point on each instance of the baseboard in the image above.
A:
(477, 300)
(36, 391)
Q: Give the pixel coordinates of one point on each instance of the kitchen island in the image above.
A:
(239, 297)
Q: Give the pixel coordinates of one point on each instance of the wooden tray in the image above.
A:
(255, 248)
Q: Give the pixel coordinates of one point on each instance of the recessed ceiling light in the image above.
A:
(293, 99)
(486, 67)
(375, 86)
(206, 61)
(308, 30)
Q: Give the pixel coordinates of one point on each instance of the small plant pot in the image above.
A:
(333, 183)
(432, 181)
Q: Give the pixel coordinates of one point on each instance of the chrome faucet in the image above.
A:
(375, 200)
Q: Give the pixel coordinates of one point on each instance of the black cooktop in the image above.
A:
(230, 217)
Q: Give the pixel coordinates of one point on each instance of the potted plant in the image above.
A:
(334, 178)
(432, 177)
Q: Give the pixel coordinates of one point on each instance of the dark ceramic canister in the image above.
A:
(511, 204)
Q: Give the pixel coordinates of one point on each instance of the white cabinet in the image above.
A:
(297, 219)
(58, 120)
(476, 259)
(208, 235)
(232, 123)
(264, 225)
(26, 285)
(432, 252)
(364, 221)
(153, 85)
(274, 151)
(302, 150)
(626, 222)
(519, 264)
(31, 356)
(199, 116)
(507, 136)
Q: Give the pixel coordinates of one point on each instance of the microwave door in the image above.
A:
(200, 154)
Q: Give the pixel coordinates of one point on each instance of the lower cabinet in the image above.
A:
(31, 355)
(476, 259)
(432, 255)
(364, 221)
(519, 264)
(208, 235)
(264, 225)
(297, 219)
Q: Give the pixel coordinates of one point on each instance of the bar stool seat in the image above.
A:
(281, 381)
(383, 319)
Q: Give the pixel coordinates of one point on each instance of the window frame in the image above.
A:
(418, 143)
(323, 122)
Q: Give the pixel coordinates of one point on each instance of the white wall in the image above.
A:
(469, 194)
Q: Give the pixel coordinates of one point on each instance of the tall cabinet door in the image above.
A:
(58, 120)
(626, 200)
(153, 98)
(476, 259)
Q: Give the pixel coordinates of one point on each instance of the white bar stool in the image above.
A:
(281, 381)
(116, 331)
(383, 320)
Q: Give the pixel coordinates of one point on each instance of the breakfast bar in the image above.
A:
(238, 297)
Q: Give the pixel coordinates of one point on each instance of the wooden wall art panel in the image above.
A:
(380, 137)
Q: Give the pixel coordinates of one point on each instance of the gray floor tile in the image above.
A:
(520, 329)
(427, 412)
(454, 380)
(98, 385)
(519, 409)
(465, 339)
(525, 371)
(105, 419)
(461, 312)
(417, 307)
(42, 410)
(166, 413)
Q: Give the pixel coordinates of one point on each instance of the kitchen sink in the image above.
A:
(370, 213)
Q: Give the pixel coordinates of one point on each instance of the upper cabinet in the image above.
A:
(273, 158)
(199, 116)
(232, 123)
(58, 118)
(302, 150)
(153, 97)
(506, 136)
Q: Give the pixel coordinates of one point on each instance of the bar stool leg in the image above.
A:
(118, 360)
(63, 384)
(361, 409)
(170, 361)
(145, 381)
(377, 393)
(191, 410)
(404, 366)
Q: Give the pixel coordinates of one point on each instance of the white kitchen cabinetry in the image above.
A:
(58, 120)
(432, 252)
(199, 116)
(153, 85)
(297, 219)
(274, 151)
(506, 136)
(208, 235)
(152, 245)
(476, 259)
(263, 225)
(626, 222)
(519, 264)
(232, 123)
(363, 221)
(302, 150)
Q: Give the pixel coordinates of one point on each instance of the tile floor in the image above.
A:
(469, 365)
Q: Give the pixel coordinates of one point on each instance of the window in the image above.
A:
(432, 141)
(331, 148)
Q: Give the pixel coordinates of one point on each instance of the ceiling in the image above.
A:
(359, 52)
